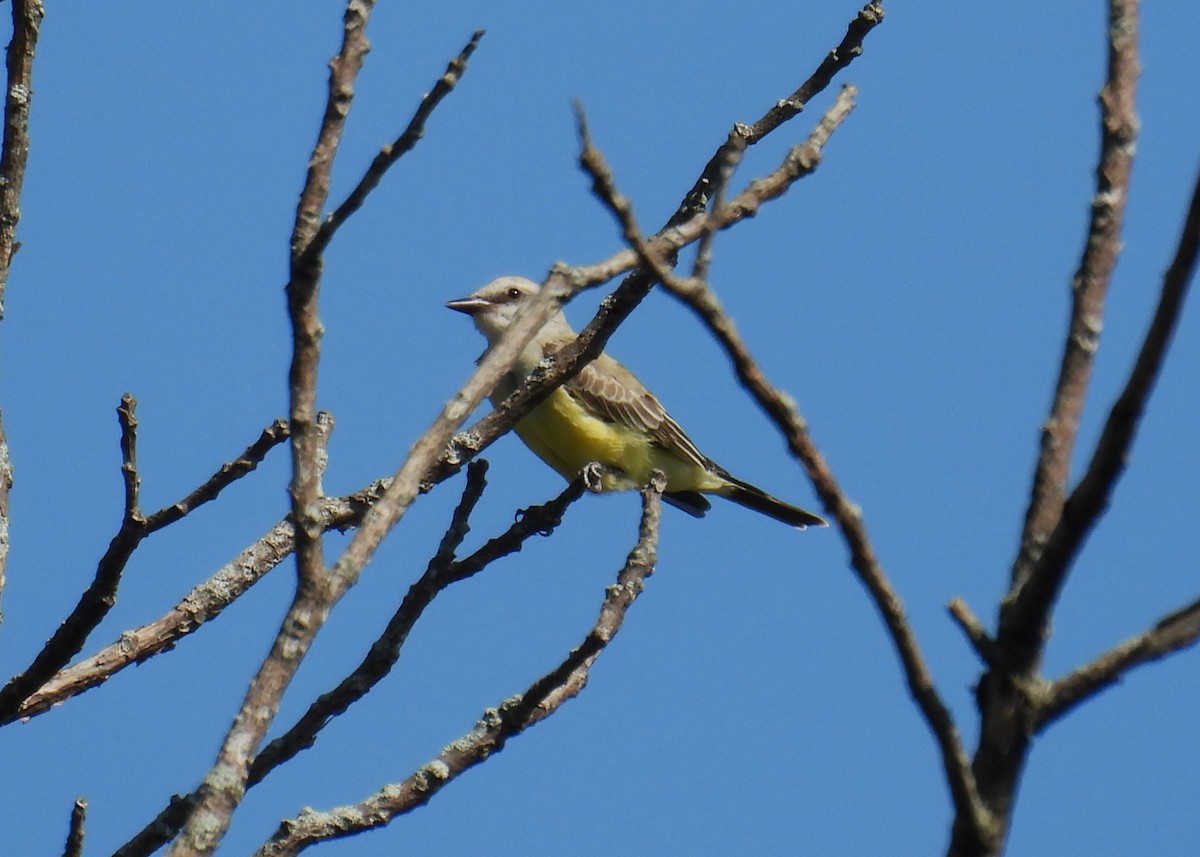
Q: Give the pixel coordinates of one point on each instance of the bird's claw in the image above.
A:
(593, 477)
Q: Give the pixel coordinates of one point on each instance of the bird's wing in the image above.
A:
(613, 393)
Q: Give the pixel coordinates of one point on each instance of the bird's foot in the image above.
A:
(592, 475)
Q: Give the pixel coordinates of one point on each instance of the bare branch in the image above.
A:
(506, 721)
(225, 784)
(442, 571)
(27, 23)
(1174, 632)
(391, 153)
(343, 72)
(229, 472)
(741, 136)
(127, 417)
(1029, 609)
(45, 682)
(1009, 710)
(14, 154)
(697, 295)
(976, 634)
(1022, 640)
(223, 787)
(75, 832)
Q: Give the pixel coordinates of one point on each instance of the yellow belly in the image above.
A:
(567, 437)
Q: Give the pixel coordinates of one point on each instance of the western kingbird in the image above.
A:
(606, 415)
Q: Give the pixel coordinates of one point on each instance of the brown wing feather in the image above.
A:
(613, 393)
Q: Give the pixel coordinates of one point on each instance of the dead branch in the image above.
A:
(509, 719)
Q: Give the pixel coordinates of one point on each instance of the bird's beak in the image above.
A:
(470, 306)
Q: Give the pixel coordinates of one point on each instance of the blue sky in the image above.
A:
(911, 295)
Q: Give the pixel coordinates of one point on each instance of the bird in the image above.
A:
(606, 416)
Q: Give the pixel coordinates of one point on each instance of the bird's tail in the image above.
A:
(745, 494)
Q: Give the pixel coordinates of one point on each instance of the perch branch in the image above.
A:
(698, 296)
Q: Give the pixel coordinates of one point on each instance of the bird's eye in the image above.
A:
(514, 292)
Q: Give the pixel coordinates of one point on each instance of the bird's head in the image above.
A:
(494, 306)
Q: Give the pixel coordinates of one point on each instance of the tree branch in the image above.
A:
(500, 724)
(74, 846)
(316, 593)
(442, 571)
(6, 481)
(698, 296)
(1172, 633)
(1030, 608)
(974, 631)
(14, 155)
(100, 596)
(392, 152)
(1009, 692)
(1022, 640)
(697, 199)
(203, 604)
(27, 23)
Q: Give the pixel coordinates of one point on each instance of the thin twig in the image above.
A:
(500, 724)
(392, 152)
(1174, 632)
(45, 682)
(229, 472)
(973, 629)
(697, 295)
(1030, 608)
(442, 571)
(537, 520)
(74, 846)
(705, 189)
(101, 594)
(127, 417)
(1021, 640)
